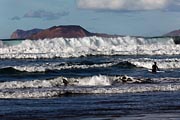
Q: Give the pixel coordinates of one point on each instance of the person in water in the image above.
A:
(155, 68)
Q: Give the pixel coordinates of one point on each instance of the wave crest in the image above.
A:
(76, 47)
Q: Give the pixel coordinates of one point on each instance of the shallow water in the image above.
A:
(149, 105)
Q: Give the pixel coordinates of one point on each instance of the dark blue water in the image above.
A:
(95, 107)
(123, 67)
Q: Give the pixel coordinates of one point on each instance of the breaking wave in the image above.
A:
(64, 66)
(169, 63)
(76, 47)
(85, 85)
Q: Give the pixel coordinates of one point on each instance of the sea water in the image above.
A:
(90, 78)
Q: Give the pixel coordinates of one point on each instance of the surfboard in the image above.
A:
(158, 71)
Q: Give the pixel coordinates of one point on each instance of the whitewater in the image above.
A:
(90, 78)
(85, 61)
(88, 46)
(100, 84)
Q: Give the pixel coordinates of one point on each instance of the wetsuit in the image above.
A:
(154, 68)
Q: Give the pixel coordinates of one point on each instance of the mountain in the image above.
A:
(66, 31)
(21, 34)
(173, 33)
(69, 31)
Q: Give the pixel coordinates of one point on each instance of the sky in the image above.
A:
(122, 17)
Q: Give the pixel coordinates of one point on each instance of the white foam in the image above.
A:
(2, 45)
(169, 63)
(99, 80)
(87, 81)
(95, 81)
(87, 85)
(55, 66)
(75, 47)
(55, 92)
(32, 84)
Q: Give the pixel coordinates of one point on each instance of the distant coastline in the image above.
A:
(71, 31)
(11, 39)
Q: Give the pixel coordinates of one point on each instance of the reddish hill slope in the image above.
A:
(70, 31)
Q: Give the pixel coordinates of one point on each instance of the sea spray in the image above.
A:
(76, 47)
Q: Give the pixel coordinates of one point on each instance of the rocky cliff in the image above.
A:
(22, 34)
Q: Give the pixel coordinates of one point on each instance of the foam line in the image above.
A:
(87, 85)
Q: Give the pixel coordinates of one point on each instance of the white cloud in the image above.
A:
(126, 5)
(47, 15)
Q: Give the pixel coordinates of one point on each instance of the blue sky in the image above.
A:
(123, 17)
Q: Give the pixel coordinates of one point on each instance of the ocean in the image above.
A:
(91, 78)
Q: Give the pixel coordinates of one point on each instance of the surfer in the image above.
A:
(65, 82)
(154, 68)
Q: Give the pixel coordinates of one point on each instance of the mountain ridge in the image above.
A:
(69, 31)
(65, 31)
